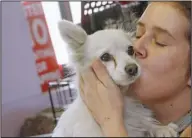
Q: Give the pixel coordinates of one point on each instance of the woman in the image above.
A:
(162, 48)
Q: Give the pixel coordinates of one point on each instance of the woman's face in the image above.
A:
(162, 49)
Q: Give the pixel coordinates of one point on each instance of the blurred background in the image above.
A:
(37, 78)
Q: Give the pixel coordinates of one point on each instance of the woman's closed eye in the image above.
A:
(160, 44)
(154, 41)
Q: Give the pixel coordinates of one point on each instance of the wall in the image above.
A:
(21, 94)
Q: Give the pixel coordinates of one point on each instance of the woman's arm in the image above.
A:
(114, 128)
(103, 99)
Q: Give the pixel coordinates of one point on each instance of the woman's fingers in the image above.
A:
(99, 93)
(102, 74)
(89, 85)
(89, 77)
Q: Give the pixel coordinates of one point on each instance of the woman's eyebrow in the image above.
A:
(161, 30)
(157, 29)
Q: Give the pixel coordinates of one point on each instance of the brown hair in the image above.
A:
(185, 8)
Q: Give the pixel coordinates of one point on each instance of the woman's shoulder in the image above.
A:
(186, 132)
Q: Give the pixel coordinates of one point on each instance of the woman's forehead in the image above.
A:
(165, 17)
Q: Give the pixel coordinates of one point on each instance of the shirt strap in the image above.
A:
(184, 122)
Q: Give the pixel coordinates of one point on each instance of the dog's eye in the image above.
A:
(106, 57)
(130, 51)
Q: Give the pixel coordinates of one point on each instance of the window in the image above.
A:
(53, 15)
(76, 11)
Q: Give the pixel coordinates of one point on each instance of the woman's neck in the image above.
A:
(172, 109)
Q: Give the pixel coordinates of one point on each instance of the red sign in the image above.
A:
(45, 59)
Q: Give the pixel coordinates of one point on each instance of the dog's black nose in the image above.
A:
(131, 69)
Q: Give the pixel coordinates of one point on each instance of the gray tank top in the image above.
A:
(184, 122)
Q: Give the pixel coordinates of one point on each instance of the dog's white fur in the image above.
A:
(76, 121)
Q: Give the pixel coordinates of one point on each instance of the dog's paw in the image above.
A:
(167, 131)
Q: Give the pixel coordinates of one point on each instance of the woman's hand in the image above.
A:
(103, 99)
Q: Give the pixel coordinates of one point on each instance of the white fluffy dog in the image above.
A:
(114, 49)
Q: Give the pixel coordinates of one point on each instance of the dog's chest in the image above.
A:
(85, 124)
(135, 116)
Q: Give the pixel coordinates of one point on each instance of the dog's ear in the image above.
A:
(71, 33)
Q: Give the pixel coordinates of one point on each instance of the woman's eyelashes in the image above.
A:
(154, 41)
(160, 44)
(137, 37)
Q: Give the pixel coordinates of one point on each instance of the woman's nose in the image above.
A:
(140, 49)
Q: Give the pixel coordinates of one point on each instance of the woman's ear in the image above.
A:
(189, 82)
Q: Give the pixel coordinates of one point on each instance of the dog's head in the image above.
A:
(113, 47)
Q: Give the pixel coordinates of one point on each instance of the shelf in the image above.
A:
(43, 135)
